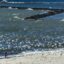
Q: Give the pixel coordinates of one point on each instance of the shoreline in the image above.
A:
(59, 51)
(50, 51)
(46, 57)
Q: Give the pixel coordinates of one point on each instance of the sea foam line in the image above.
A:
(55, 52)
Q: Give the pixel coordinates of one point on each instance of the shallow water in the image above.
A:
(17, 34)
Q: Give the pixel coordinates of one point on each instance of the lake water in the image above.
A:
(33, 0)
(36, 5)
(17, 34)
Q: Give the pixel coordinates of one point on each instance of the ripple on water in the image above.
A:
(29, 35)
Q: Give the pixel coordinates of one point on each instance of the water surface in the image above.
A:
(18, 35)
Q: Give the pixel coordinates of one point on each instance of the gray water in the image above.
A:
(48, 5)
(17, 34)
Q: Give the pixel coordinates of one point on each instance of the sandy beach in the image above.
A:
(46, 57)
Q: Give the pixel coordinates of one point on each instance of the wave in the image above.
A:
(30, 1)
(29, 9)
(54, 52)
(62, 20)
(44, 52)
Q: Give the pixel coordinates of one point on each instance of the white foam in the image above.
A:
(50, 7)
(29, 9)
(4, 0)
(16, 17)
(30, 52)
(62, 20)
(9, 7)
(53, 52)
